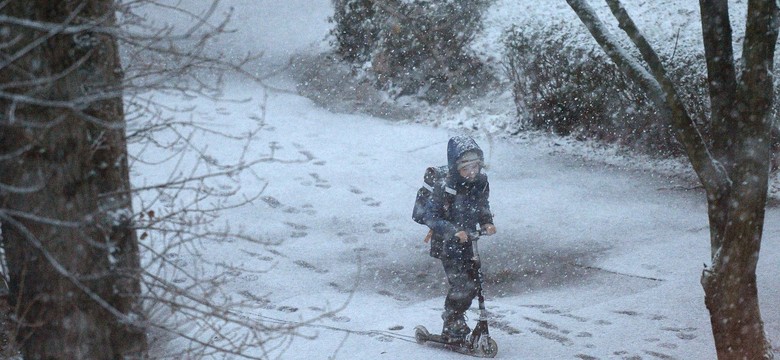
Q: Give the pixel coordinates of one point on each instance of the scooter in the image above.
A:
(478, 343)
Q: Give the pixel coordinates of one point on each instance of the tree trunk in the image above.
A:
(730, 288)
(65, 205)
(731, 293)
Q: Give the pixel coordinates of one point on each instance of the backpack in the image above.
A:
(433, 175)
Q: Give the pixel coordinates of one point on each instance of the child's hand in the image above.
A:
(488, 229)
(462, 236)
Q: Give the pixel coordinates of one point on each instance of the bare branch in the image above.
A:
(661, 90)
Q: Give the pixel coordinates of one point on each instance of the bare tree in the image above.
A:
(94, 262)
(733, 164)
(72, 256)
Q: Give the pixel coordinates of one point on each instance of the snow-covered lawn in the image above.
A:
(591, 261)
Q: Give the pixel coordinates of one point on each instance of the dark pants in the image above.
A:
(463, 285)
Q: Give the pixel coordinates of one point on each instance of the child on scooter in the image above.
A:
(459, 206)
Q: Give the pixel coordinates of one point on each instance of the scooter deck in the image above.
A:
(422, 336)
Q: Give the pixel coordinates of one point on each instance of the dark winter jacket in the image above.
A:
(457, 204)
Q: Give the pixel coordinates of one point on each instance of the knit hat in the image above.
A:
(468, 158)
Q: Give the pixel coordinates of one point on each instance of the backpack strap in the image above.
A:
(449, 193)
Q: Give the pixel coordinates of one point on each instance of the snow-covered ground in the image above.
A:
(591, 261)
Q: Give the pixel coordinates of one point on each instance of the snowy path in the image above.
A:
(590, 262)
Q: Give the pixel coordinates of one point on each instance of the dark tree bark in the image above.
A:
(733, 165)
(731, 292)
(64, 186)
(722, 82)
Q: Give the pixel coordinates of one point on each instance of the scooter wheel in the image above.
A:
(488, 349)
(421, 334)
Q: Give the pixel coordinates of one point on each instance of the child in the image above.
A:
(457, 207)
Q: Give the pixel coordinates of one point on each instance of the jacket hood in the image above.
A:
(458, 146)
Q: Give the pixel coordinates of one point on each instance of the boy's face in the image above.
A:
(470, 171)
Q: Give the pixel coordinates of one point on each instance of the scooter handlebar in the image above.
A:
(475, 235)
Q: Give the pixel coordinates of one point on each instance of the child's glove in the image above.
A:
(488, 229)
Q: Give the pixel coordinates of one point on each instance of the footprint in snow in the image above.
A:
(262, 301)
(549, 335)
(537, 306)
(397, 297)
(505, 327)
(341, 319)
(659, 355)
(292, 210)
(309, 266)
(371, 202)
(550, 331)
(306, 153)
(287, 309)
(319, 181)
(298, 230)
(585, 357)
(382, 338)
(575, 317)
(625, 355)
(381, 228)
(682, 333)
(298, 234)
(271, 201)
(308, 209)
(626, 312)
(347, 238)
(274, 203)
(258, 256)
(340, 288)
(296, 226)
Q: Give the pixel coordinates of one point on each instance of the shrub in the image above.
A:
(413, 47)
(354, 29)
(571, 89)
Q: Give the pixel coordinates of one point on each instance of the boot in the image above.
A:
(455, 328)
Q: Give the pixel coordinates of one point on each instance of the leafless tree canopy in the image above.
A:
(92, 260)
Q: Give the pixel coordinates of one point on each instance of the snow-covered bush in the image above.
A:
(354, 31)
(413, 47)
(570, 88)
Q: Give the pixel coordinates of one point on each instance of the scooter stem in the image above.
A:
(475, 249)
(478, 273)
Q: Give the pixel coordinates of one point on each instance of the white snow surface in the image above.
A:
(597, 255)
